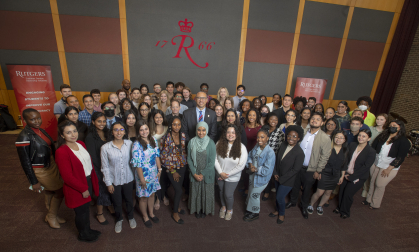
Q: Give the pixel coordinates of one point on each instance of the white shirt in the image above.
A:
(382, 160)
(230, 166)
(115, 163)
(307, 146)
(84, 158)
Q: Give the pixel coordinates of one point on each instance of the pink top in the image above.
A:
(352, 163)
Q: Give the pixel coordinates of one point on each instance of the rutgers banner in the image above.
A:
(34, 88)
(310, 87)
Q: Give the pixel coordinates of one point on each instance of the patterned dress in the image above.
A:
(146, 159)
(201, 194)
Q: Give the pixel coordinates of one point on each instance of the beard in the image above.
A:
(314, 127)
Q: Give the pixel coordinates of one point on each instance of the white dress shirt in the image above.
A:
(84, 158)
(307, 146)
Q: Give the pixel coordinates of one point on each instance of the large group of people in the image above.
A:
(136, 145)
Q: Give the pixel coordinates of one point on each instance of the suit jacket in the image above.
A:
(288, 167)
(189, 122)
(363, 162)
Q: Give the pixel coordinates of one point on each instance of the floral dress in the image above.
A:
(146, 159)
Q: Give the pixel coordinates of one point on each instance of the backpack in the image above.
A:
(6, 120)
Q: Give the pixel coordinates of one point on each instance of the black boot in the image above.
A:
(251, 217)
(83, 226)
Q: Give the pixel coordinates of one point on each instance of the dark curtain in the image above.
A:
(397, 57)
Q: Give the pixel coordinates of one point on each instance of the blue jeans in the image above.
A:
(281, 193)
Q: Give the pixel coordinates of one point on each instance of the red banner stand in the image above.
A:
(310, 87)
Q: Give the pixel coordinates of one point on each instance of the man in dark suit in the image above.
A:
(286, 105)
(192, 116)
(108, 109)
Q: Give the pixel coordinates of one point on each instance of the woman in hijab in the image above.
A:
(201, 161)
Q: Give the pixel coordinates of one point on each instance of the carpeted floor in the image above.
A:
(394, 227)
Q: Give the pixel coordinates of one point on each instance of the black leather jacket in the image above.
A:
(33, 151)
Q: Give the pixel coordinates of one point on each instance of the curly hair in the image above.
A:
(364, 98)
(300, 99)
(150, 139)
(222, 144)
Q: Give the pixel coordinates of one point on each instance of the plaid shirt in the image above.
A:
(86, 117)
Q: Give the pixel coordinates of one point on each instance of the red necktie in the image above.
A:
(201, 117)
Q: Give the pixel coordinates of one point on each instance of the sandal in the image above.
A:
(366, 203)
(373, 208)
(336, 211)
(106, 222)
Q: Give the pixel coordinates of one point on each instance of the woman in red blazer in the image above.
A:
(79, 177)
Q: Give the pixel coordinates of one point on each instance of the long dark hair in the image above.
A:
(344, 145)
(346, 104)
(335, 130)
(295, 115)
(260, 97)
(385, 134)
(300, 121)
(125, 118)
(121, 106)
(149, 110)
(257, 116)
(222, 144)
(111, 137)
(152, 124)
(224, 122)
(150, 139)
(92, 128)
(61, 128)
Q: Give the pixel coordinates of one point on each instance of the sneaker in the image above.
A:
(222, 213)
(229, 215)
(310, 209)
(273, 190)
(320, 210)
(118, 227)
(132, 223)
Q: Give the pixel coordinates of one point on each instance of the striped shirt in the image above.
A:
(115, 163)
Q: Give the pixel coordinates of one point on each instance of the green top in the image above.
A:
(209, 171)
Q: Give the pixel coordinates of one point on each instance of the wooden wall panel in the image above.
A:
(245, 19)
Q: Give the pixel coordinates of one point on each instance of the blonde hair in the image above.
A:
(218, 93)
(357, 109)
(167, 101)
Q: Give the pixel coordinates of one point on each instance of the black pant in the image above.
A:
(83, 219)
(177, 186)
(164, 184)
(186, 180)
(346, 195)
(123, 191)
(306, 180)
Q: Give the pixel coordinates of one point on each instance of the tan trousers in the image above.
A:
(378, 185)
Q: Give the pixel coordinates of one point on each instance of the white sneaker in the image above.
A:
(132, 223)
(118, 227)
(273, 190)
(222, 213)
(229, 215)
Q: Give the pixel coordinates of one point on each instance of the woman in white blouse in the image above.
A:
(117, 173)
(230, 161)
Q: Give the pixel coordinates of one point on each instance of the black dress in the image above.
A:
(332, 171)
(82, 130)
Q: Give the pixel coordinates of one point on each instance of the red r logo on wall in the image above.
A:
(186, 26)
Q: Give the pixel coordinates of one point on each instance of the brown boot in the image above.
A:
(51, 217)
(48, 197)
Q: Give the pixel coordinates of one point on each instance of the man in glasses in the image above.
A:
(204, 88)
(177, 96)
(108, 109)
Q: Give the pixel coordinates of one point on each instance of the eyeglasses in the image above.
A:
(330, 124)
(201, 98)
(177, 96)
(292, 136)
(116, 130)
(108, 108)
(291, 115)
(204, 88)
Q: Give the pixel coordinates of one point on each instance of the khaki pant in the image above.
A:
(378, 185)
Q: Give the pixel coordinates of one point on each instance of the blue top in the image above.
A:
(86, 117)
(197, 114)
(266, 163)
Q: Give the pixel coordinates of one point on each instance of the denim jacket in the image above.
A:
(266, 164)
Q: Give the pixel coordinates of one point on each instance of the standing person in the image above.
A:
(95, 93)
(291, 119)
(228, 103)
(173, 159)
(170, 86)
(126, 105)
(219, 112)
(304, 119)
(331, 126)
(231, 117)
(230, 161)
(192, 116)
(244, 108)
(263, 99)
(356, 127)
(257, 103)
(143, 90)
(300, 102)
(178, 97)
(391, 148)
(311, 102)
(264, 111)
(187, 98)
(360, 158)
(180, 86)
(79, 177)
(144, 109)
(108, 109)
(316, 146)
(333, 173)
(164, 101)
(96, 137)
(71, 113)
(121, 94)
(287, 167)
(117, 173)
(261, 162)
(240, 96)
(276, 137)
(204, 88)
(342, 113)
(113, 97)
(252, 127)
(319, 108)
(276, 102)
(174, 111)
(222, 94)
(146, 161)
(136, 97)
(85, 115)
(156, 95)
(126, 86)
(364, 103)
(130, 119)
(60, 106)
(201, 159)
(40, 169)
(286, 105)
